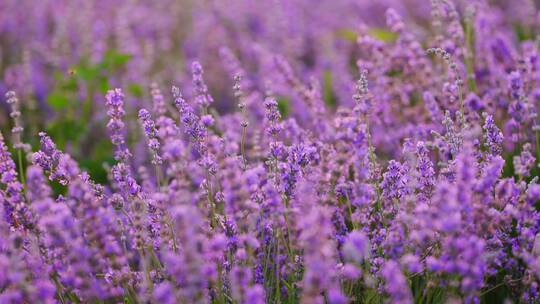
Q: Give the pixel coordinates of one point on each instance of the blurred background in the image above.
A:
(61, 56)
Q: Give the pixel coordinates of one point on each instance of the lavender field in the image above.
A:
(278, 151)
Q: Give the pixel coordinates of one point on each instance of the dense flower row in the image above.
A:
(416, 183)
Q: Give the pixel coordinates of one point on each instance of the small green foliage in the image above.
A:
(94, 167)
(87, 72)
(523, 32)
(375, 32)
(65, 130)
(508, 169)
(383, 34)
(135, 89)
(394, 73)
(347, 34)
(113, 60)
(415, 98)
(283, 106)
(329, 95)
(71, 120)
(57, 100)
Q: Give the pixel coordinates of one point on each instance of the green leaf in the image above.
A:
(135, 89)
(103, 84)
(347, 34)
(69, 84)
(66, 130)
(283, 106)
(329, 95)
(93, 162)
(57, 100)
(382, 34)
(523, 32)
(415, 98)
(95, 169)
(394, 73)
(86, 72)
(375, 32)
(113, 60)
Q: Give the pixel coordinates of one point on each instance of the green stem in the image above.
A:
(158, 176)
(171, 231)
(278, 289)
(469, 55)
(242, 146)
(349, 207)
(59, 288)
(537, 146)
(288, 243)
(373, 163)
(219, 291)
(210, 197)
(146, 268)
(21, 169)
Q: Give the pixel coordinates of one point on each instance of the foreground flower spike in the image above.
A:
(16, 212)
(116, 126)
(362, 97)
(203, 98)
(25, 277)
(58, 165)
(15, 114)
(189, 119)
(320, 255)
(494, 137)
(151, 135)
(188, 268)
(273, 116)
(396, 284)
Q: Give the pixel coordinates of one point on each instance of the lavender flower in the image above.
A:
(203, 97)
(190, 120)
(15, 209)
(395, 283)
(356, 247)
(273, 116)
(524, 162)
(115, 104)
(151, 135)
(15, 114)
(493, 135)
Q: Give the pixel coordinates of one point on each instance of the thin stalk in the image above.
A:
(131, 295)
(242, 145)
(278, 289)
(266, 255)
(209, 190)
(21, 170)
(238, 94)
(461, 107)
(171, 231)
(210, 197)
(59, 288)
(537, 135)
(469, 55)
(288, 243)
(349, 208)
(147, 272)
(158, 176)
(153, 257)
(221, 298)
(373, 163)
